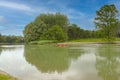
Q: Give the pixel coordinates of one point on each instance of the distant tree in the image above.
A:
(98, 34)
(19, 39)
(0, 38)
(118, 30)
(106, 21)
(82, 33)
(11, 39)
(73, 32)
(87, 34)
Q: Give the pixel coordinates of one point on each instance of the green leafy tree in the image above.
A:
(106, 21)
(42, 24)
(73, 32)
(54, 33)
(0, 38)
(54, 19)
(33, 31)
(118, 30)
(87, 34)
(11, 39)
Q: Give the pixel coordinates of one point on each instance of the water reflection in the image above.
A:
(6, 48)
(48, 62)
(9, 47)
(49, 59)
(0, 50)
(108, 61)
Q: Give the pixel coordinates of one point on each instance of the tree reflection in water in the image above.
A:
(49, 58)
(0, 50)
(108, 62)
(6, 49)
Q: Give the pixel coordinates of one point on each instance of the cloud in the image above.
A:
(83, 20)
(17, 6)
(75, 15)
(12, 29)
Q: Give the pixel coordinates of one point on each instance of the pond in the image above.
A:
(49, 62)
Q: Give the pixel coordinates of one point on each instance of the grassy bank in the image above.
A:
(93, 40)
(11, 43)
(5, 76)
(87, 40)
(41, 42)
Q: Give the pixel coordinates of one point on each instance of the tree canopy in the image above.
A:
(54, 33)
(45, 22)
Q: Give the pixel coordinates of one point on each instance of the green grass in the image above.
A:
(78, 40)
(43, 42)
(117, 39)
(92, 40)
(6, 77)
(87, 40)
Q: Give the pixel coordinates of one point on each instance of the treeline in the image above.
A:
(57, 27)
(75, 32)
(11, 39)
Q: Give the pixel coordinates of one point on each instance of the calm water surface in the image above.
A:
(49, 62)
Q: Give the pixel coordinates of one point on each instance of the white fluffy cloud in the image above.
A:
(17, 6)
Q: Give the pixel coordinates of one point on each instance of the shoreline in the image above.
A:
(6, 76)
(70, 43)
(64, 44)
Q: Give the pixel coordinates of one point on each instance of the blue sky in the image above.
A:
(15, 14)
